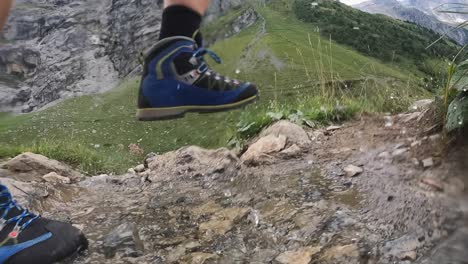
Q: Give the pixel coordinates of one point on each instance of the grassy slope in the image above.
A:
(93, 132)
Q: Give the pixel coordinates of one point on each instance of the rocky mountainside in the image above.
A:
(55, 49)
(423, 13)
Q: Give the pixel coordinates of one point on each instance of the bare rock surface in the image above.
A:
(195, 205)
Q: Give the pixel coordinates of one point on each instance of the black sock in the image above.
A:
(179, 20)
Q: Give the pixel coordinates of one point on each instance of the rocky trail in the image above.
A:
(374, 190)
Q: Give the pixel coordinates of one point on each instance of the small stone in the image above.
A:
(149, 157)
(435, 137)
(427, 163)
(352, 171)
(385, 155)
(123, 239)
(333, 128)
(53, 177)
(399, 152)
(299, 256)
(140, 168)
(79, 227)
(421, 105)
(254, 217)
(131, 171)
(415, 161)
(416, 143)
(410, 255)
(433, 184)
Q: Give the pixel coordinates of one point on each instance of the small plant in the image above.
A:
(456, 85)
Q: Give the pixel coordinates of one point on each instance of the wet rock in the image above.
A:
(403, 248)
(258, 153)
(353, 171)
(427, 163)
(221, 222)
(123, 240)
(421, 105)
(53, 177)
(299, 256)
(29, 167)
(294, 134)
(341, 254)
(194, 162)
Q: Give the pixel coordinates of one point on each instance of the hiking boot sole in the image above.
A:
(168, 113)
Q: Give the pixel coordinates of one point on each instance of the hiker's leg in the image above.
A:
(198, 5)
(5, 6)
(177, 79)
(182, 18)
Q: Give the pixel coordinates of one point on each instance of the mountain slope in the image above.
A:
(421, 13)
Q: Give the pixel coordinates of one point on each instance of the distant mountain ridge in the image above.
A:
(422, 12)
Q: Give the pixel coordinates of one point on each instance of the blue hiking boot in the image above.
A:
(177, 80)
(27, 238)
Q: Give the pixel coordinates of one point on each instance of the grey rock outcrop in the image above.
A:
(59, 49)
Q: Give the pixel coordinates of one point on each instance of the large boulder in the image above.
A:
(29, 167)
(283, 138)
(194, 162)
(294, 134)
(261, 150)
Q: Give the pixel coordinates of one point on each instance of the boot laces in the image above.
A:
(203, 67)
(7, 206)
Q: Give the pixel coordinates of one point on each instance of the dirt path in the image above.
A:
(301, 210)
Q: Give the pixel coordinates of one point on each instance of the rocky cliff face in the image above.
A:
(55, 49)
(423, 13)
